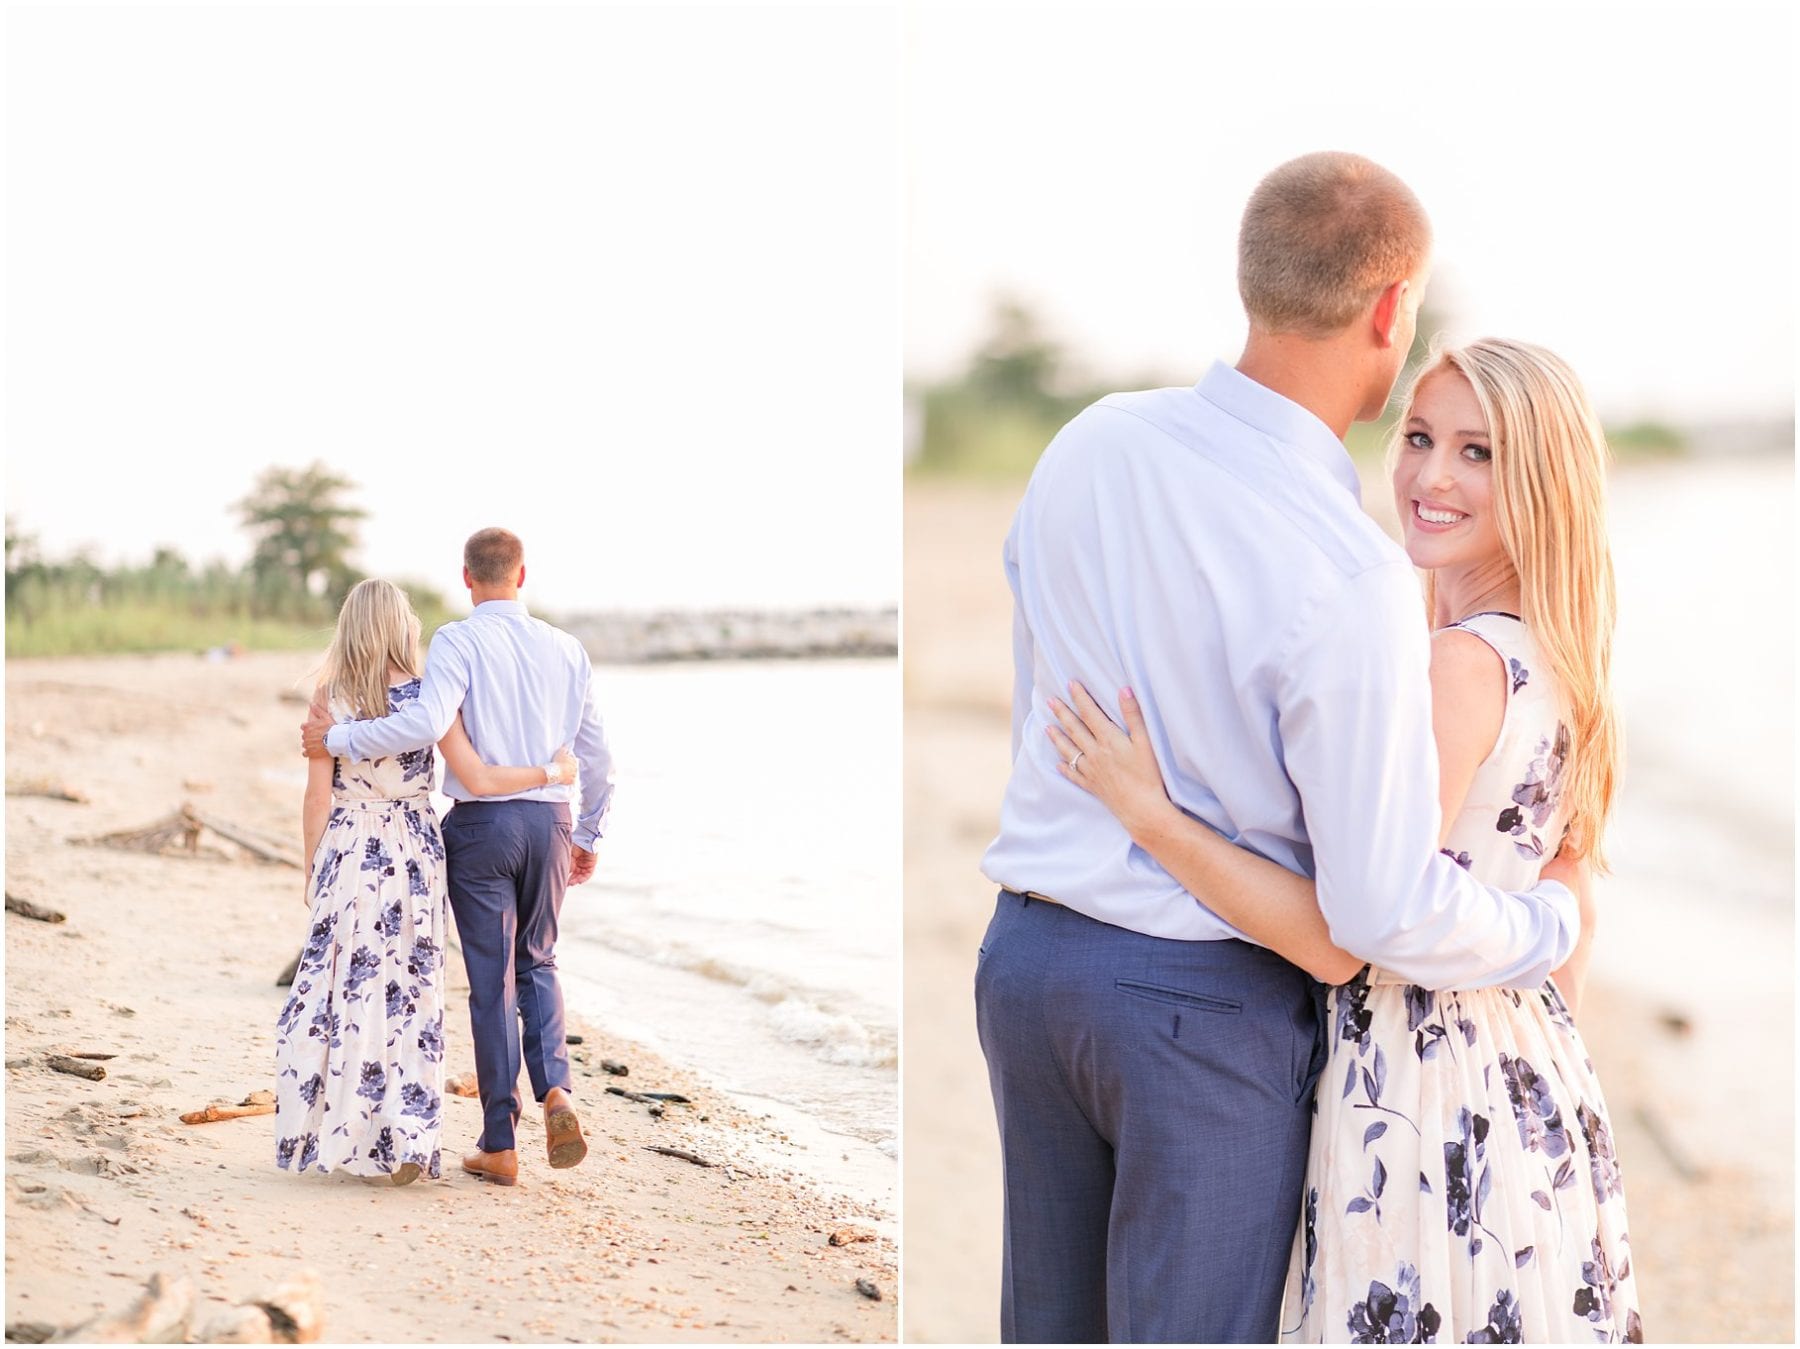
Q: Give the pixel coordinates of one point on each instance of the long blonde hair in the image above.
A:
(1550, 456)
(377, 631)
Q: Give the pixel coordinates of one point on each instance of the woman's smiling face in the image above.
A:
(1444, 477)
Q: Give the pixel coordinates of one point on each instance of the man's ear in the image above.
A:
(468, 580)
(520, 583)
(1388, 307)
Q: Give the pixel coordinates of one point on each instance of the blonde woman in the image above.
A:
(1461, 1182)
(359, 1048)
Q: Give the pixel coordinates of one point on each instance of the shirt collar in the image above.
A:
(500, 607)
(1280, 419)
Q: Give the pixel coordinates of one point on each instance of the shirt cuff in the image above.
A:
(585, 839)
(340, 734)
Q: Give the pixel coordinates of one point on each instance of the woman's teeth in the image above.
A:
(1432, 517)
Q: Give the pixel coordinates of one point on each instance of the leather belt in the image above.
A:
(1032, 894)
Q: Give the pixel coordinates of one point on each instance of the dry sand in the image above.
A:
(1689, 1016)
(169, 963)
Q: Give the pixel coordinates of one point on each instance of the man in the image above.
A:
(1152, 1072)
(524, 688)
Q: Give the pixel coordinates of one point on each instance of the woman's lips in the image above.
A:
(1435, 519)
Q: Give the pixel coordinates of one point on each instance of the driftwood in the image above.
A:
(183, 829)
(1672, 1152)
(256, 1103)
(214, 1113)
(50, 791)
(26, 909)
(160, 1316)
(684, 1155)
(267, 849)
(169, 1313)
(649, 1097)
(614, 1067)
(89, 1054)
(93, 1072)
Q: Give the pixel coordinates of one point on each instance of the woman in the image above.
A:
(1514, 1228)
(359, 1048)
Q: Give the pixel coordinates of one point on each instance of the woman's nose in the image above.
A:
(1439, 471)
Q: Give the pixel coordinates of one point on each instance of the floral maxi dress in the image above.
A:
(359, 1048)
(1461, 1184)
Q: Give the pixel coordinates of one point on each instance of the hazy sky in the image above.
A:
(1617, 185)
(621, 279)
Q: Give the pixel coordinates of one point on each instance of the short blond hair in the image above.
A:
(493, 556)
(1322, 236)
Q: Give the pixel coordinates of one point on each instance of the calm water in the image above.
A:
(745, 915)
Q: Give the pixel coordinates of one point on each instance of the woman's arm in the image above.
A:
(1571, 976)
(1260, 898)
(315, 805)
(497, 780)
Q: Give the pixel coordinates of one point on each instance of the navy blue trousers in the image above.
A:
(1155, 1101)
(508, 864)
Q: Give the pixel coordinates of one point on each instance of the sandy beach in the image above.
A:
(168, 964)
(1690, 1007)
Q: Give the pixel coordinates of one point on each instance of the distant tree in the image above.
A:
(1017, 363)
(304, 533)
(21, 550)
(167, 561)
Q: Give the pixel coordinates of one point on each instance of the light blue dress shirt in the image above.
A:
(525, 689)
(1207, 547)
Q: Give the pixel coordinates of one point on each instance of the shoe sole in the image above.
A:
(406, 1173)
(566, 1145)
(491, 1177)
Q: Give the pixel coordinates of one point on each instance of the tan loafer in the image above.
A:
(502, 1168)
(562, 1131)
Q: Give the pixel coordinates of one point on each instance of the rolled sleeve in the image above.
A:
(1355, 726)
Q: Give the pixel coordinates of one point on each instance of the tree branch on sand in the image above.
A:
(182, 830)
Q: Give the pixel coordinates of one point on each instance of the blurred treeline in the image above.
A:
(304, 530)
(1021, 384)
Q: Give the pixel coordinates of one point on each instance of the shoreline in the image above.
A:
(168, 963)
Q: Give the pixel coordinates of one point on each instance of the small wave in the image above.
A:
(836, 1039)
(760, 985)
(794, 1015)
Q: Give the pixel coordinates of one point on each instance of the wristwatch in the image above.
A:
(552, 774)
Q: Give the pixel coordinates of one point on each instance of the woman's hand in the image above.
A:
(1118, 766)
(566, 765)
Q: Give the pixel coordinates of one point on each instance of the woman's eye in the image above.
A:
(1478, 454)
(1418, 440)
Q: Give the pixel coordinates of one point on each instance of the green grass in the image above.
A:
(135, 628)
(119, 629)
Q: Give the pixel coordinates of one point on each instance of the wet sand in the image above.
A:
(1690, 1008)
(169, 963)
